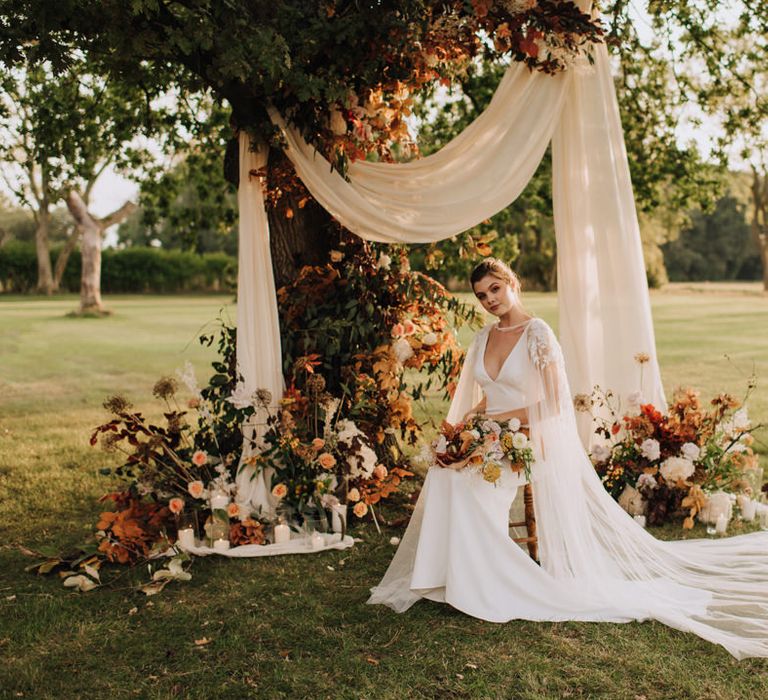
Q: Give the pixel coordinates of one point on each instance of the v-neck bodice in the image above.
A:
(515, 386)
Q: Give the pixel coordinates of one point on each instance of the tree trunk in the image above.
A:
(760, 218)
(63, 258)
(91, 230)
(303, 239)
(44, 270)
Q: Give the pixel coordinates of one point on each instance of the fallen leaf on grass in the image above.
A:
(472, 666)
(202, 642)
(133, 611)
(285, 653)
(460, 676)
(373, 661)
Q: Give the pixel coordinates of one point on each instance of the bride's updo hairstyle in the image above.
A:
(496, 268)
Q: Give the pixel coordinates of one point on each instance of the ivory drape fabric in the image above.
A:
(605, 316)
(259, 356)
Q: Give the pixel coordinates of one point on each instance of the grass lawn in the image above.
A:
(296, 627)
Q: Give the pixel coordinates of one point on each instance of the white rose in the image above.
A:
(441, 445)
(514, 424)
(646, 481)
(519, 441)
(601, 452)
(385, 262)
(491, 426)
(741, 419)
(676, 468)
(690, 451)
(337, 123)
(403, 350)
(394, 540)
(650, 449)
(429, 338)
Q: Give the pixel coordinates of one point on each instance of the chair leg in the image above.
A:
(530, 522)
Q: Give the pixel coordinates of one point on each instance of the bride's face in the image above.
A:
(496, 295)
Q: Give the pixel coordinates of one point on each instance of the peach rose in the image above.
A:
(397, 330)
(327, 460)
(195, 489)
(380, 471)
(409, 327)
(193, 402)
(233, 510)
(279, 490)
(360, 509)
(199, 458)
(318, 444)
(176, 505)
(336, 256)
(353, 495)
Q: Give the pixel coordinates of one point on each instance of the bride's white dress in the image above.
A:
(596, 562)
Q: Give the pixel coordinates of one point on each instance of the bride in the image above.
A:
(596, 563)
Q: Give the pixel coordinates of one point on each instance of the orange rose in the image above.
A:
(279, 490)
(397, 330)
(318, 444)
(327, 460)
(233, 510)
(353, 495)
(409, 327)
(380, 471)
(176, 505)
(199, 458)
(195, 489)
(360, 509)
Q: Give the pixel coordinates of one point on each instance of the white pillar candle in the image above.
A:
(338, 517)
(221, 545)
(722, 524)
(186, 538)
(219, 501)
(640, 520)
(282, 533)
(748, 510)
(317, 540)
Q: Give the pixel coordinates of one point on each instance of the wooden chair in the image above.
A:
(530, 524)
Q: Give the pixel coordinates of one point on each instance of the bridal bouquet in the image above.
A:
(484, 445)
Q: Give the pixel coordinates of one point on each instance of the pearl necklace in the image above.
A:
(507, 329)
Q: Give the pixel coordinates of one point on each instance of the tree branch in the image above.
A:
(118, 215)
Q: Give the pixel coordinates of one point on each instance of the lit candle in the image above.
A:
(219, 501)
(317, 540)
(640, 520)
(282, 533)
(722, 524)
(748, 510)
(221, 545)
(186, 538)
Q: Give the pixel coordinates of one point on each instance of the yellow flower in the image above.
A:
(492, 472)
(360, 509)
(506, 441)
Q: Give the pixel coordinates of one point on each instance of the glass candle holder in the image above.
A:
(219, 534)
(186, 528)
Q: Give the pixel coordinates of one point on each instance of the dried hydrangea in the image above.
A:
(165, 388)
(117, 404)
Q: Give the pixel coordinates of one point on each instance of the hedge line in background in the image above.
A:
(125, 271)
